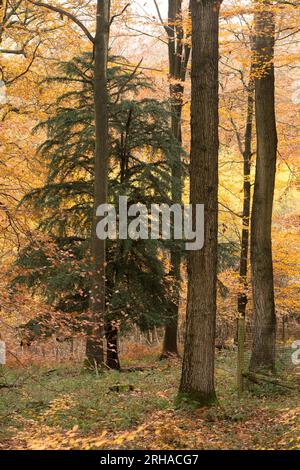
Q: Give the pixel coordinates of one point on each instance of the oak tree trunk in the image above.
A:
(197, 381)
(264, 327)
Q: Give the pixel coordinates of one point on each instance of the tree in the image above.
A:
(242, 298)
(246, 151)
(94, 347)
(264, 328)
(178, 56)
(197, 380)
(141, 153)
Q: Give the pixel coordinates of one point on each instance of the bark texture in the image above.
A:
(264, 328)
(94, 348)
(197, 381)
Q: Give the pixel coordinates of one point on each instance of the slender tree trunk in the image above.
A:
(112, 347)
(178, 59)
(94, 348)
(283, 329)
(197, 381)
(242, 300)
(170, 337)
(264, 328)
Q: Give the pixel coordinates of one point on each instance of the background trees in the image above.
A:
(49, 59)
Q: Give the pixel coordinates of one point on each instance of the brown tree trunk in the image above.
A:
(197, 381)
(247, 154)
(94, 347)
(170, 337)
(264, 328)
(178, 59)
(242, 299)
(111, 334)
(283, 329)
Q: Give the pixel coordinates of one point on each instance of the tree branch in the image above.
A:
(119, 14)
(69, 15)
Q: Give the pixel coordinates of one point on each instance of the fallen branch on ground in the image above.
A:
(255, 377)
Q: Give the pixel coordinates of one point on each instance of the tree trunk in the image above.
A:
(197, 381)
(264, 327)
(94, 348)
(178, 59)
(112, 347)
(283, 329)
(247, 154)
(242, 300)
(170, 337)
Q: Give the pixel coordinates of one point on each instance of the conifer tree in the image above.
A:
(141, 149)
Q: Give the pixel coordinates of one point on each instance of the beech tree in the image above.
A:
(264, 328)
(197, 381)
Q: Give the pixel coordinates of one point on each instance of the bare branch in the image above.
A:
(66, 13)
(119, 14)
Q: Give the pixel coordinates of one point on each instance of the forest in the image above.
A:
(149, 227)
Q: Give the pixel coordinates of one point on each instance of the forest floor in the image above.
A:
(64, 407)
